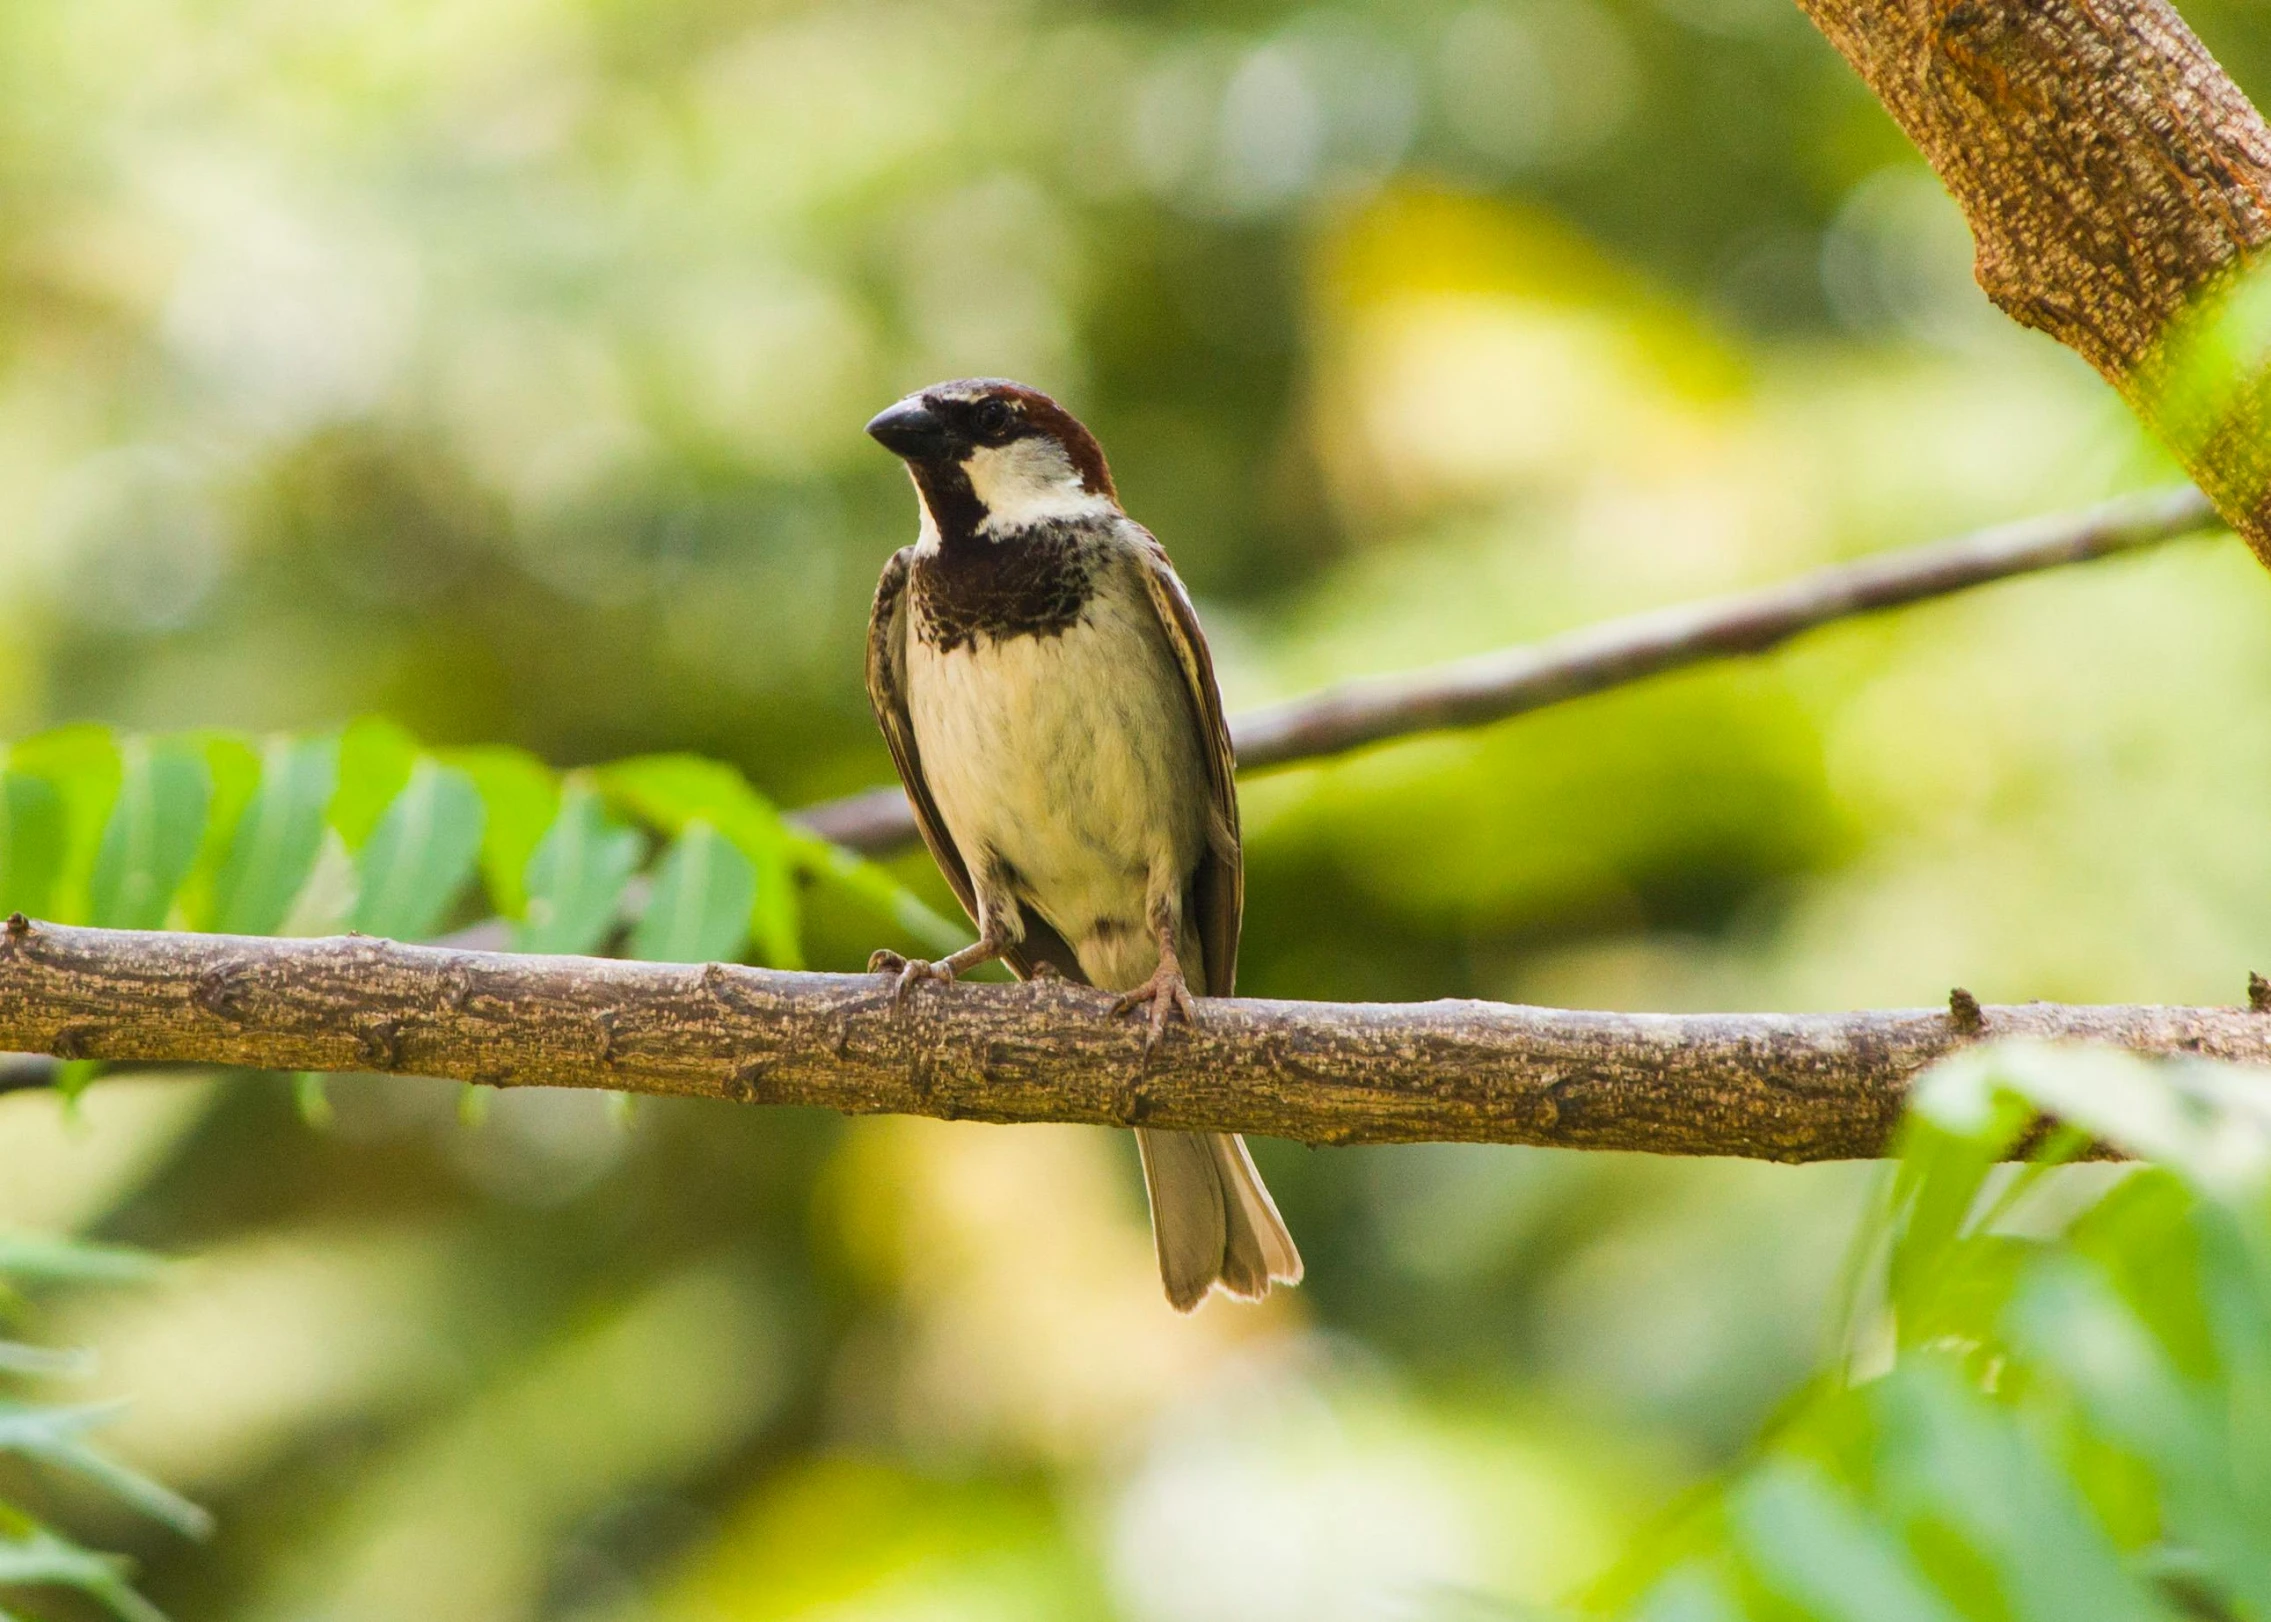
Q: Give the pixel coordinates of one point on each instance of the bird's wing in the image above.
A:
(1219, 886)
(887, 696)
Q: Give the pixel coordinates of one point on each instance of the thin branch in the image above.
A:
(1788, 1087)
(1495, 686)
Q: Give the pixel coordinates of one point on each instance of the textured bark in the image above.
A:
(1495, 686)
(1788, 1087)
(2115, 180)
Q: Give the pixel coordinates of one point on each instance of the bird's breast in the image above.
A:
(1071, 756)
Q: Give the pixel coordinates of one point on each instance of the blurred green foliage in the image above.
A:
(365, 830)
(53, 1437)
(2050, 1403)
(497, 368)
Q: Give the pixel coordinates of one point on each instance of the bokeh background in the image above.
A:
(499, 365)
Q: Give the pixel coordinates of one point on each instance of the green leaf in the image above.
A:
(325, 904)
(38, 1557)
(30, 1554)
(49, 1362)
(81, 763)
(419, 854)
(156, 824)
(274, 847)
(375, 759)
(233, 765)
(1965, 1119)
(2075, 1424)
(42, 1557)
(698, 912)
(1688, 1595)
(55, 1437)
(872, 885)
(669, 791)
(312, 1098)
(2204, 1441)
(1948, 1454)
(2144, 1236)
(2210, 1122)
(521, 796)
(33, 838)
(35, 1258)
(576, 876)
(2071, 1321)
(1812, 1547)
(234, 760)
(72, 1078)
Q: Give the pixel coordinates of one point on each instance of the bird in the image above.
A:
(1049, 699)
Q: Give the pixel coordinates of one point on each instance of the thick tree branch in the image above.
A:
(1786, 1087)
(1494, 686)
(2115, 179)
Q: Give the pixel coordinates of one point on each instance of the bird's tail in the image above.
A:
(1211, 1219)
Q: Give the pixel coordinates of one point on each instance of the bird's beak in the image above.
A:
(911, 430)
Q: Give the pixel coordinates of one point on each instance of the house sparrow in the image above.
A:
(1041, 678)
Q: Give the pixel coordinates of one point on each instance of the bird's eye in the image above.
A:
(995, 417)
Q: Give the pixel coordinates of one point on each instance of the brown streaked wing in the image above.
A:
(887, 696)
(1219, 887)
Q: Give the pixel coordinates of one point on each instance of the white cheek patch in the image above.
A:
(926, 531)
(1029, 481)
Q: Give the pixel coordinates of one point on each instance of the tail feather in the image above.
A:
(1212, 1220)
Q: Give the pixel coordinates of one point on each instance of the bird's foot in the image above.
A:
(908, 972)
(1165, 993)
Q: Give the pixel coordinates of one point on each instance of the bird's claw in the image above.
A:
(908, 972)
(1166, 992)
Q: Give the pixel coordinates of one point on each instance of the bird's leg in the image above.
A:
(1165, 992)
(990, 944)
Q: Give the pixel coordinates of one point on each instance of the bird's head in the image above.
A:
(990, 458)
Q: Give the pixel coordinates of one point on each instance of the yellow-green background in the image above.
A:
(499, 365)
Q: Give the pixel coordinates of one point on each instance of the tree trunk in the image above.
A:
(2116, 181)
